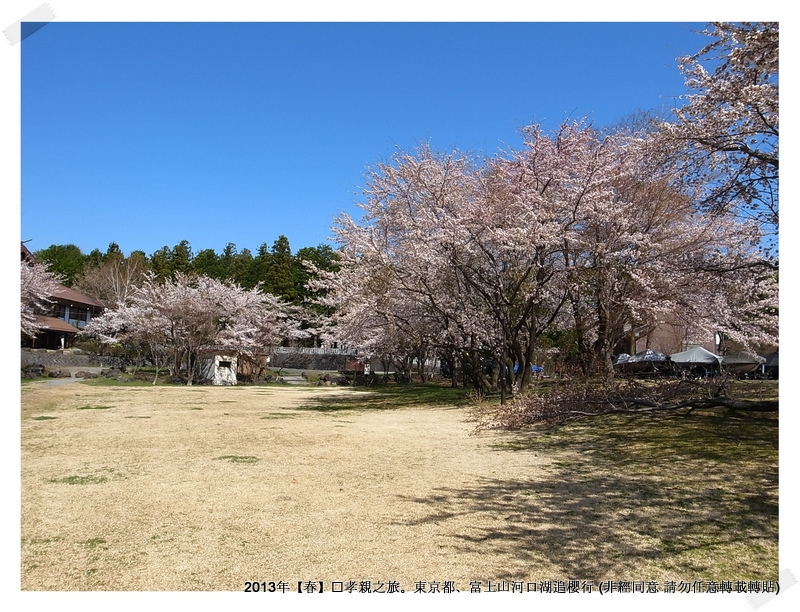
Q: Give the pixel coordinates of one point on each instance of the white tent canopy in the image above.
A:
(742, 358)
(742, 362)
(697, 355)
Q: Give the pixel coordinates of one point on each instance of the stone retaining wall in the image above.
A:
(63, 359)
(307, 361)
(67, 358)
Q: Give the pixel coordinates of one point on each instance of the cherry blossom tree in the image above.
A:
(727, 133)
(140, 328)
(37, 285)
(578, 228)
(396, 274)
(448, 252)
(176, 319)
(635, 248)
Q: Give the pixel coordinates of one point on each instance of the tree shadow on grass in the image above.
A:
(691, 500)
(390, 397)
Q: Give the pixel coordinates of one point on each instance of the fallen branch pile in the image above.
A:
(630, 396)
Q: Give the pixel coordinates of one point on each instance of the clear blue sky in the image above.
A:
(150, 133)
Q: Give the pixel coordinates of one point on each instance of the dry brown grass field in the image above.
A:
(205, 488)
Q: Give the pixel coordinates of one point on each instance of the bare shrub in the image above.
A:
(595, 398)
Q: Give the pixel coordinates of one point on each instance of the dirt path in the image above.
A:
(206, 488)
(72, 370)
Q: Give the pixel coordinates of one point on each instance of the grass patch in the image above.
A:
(93, 542)
(26, 382)
(754, 389)
(80, 480)
(45, 540)
(90, 407)
(655, 438)
(693, 491)
(391, 397)
(158, 538)
(43, 418)
(101, 381)
(238, 458)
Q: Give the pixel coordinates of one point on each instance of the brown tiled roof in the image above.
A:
(25, 254)
(65, 294)
(56, 325)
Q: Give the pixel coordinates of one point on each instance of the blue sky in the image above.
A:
(150, 133)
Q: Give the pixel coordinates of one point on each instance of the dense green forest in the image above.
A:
(275, 269)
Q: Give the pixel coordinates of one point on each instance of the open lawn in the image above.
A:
(205, 488)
